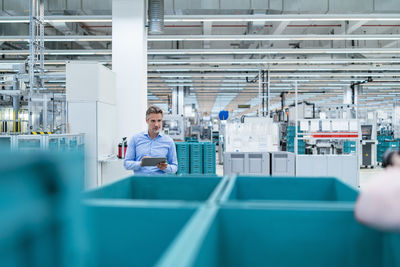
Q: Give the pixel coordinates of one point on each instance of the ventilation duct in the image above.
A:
(156, 16)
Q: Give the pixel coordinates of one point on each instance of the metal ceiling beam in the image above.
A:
(217, 51)
(279, 61)
(252, 37)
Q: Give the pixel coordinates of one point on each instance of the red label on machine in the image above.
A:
(335, 135)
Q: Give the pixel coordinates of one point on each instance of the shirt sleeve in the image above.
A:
(130, 163)
(172, 160)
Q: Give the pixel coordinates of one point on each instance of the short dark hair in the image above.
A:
(388, 158)
(154, 110)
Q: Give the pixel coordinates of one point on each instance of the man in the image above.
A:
(151, 143)
(378, 204)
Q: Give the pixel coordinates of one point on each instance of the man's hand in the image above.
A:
(162, 165)
(142, 160)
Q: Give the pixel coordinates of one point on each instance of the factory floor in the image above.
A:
(366, 175)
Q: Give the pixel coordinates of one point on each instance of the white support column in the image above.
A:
(129, 62)
(174, 101)
(177, 100)
(180, 100)
(347, 95)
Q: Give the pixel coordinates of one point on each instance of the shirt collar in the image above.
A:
(146, 133)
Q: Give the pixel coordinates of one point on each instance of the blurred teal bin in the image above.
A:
(287, 237)
(40, 214)
(125, 235)
(181, 188)
(288, 189)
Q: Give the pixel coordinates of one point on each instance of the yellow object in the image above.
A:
(36, 133)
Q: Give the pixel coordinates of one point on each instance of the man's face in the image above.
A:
(154, 121)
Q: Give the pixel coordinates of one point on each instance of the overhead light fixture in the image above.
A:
(283, 17)
(54, 19)
(253, 37)
(273, 51)
(273, 68)
(60, 38)
(275, 61)
(60, 52)
(219, 18)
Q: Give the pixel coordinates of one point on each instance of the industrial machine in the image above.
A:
(328, 147)
(368, 146)
(173, 126)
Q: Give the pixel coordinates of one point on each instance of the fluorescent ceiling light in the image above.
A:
(53, 19)
(14, 19)
(273, 51)
(274, 68)
(60, 38)
(258, 37)
(283, 17)
(220, 18)
(60, 52)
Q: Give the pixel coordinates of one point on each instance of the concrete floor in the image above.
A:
(366, 175)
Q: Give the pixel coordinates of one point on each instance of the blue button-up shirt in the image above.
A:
(142, 145)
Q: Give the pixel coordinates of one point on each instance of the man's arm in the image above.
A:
(172, 160)
(129, 162)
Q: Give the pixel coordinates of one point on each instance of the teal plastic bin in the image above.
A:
(256, 189)
(192, 188)
(182, 152)
(40, 217)
(125, 235)
(268, 237)
(284, 237)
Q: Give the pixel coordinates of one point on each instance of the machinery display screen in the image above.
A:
(366, 132)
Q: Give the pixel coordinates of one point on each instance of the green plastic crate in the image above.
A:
(278, 189)
(160, 188)
(121, 234)
(284, 236)
(40, 209)
(209, 158)
(183, 157)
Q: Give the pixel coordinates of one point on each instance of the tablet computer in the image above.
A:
(152, 161)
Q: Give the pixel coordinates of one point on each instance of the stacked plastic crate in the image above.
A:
(387, 146)
(196, 158)
(209, 158)
(182, 153)
(349, 147)
(290, 136)
(383, 144)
